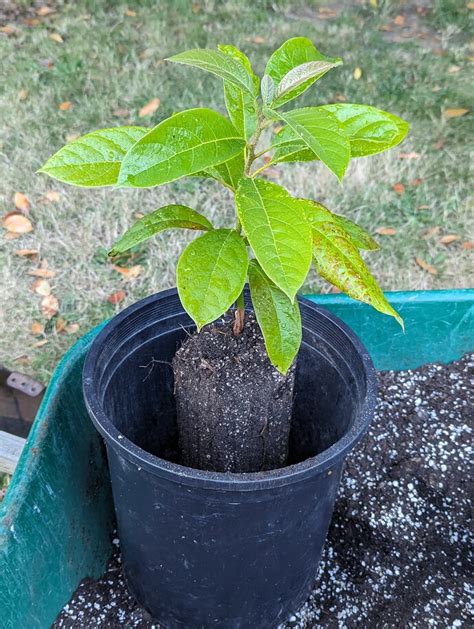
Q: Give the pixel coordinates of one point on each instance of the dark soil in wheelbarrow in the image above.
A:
(397, 553)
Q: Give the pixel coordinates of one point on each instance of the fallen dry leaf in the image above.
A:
(399, 20)
(470, 5)
(65, 106)
(72, 328)
(117, 297)
(39, 343)
(416, 182)
(467, 245)
(23, 95)
(41, 287)
(26, 253)
(8, 30)
(334, 289)
(70, 137)
(448, 239)
(49, 306)
(60, 325)
(455, 112)
(438, 144)
(52, 196)
(130, 13)
(44, 273)
(21, 202)
(57, 38)
(11, 236)
(149, 108)
(31, 21)
(386, 231)
(340, 97)
(423, 207)
(399, 188)
(121, 113)
(386, 28)
(412, 155)
(138, 215)
(130, 273)
(429, 268)
(436, 88)
(432, 231)
(357, 73)
(453, 69)
(326, 13)
(22, 360)
(195, 7)
(17, 223)
(37, 328)
(44, 10)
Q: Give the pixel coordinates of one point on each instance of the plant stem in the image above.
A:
(239, 316)
(261, 169)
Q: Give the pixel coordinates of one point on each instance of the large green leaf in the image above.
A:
(241, 106)
(317, 213)
(338, 261)
(167, 217)
(321, 132)
(211, 274)
(182, 145)
(369, 130)
(294, 53)
(278, 318)
(304, 74)
(277, 231)
(219, 63)
(93, 159)
(228, 173)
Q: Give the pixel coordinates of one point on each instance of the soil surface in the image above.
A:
(397, 553)
(233, 407)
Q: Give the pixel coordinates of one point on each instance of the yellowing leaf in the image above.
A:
(45, 273)
(49, 306)
(149, 108)
(41, 287)
(17, 223)
(448, 239)
(429, 268)
(455, 112)
(65, 106)
(357, 73)
(57, 38)
(21, 202)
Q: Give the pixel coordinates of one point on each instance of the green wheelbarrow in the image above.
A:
(57, 519)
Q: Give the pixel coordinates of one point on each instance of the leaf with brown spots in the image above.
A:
(117, 297)
(49, 306)
(149, 108)
(455, 112)
(65, 105)
(399, 188)
(386, 231)
(44, 273)
(448, 239)
(21, 202)
(41, 287)
(17, 223)
(429, 268)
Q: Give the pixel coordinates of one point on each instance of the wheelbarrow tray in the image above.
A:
(57, 518)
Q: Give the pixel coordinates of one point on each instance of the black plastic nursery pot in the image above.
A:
(208, 549)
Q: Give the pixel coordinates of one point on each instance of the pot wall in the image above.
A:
(204, 549)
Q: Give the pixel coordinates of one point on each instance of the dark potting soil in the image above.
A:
(397, 553)
(233, 407)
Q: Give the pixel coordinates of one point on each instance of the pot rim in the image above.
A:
(224, 481)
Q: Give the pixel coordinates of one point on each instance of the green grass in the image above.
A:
(111, 61)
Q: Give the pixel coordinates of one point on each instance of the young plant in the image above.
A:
(276, 236)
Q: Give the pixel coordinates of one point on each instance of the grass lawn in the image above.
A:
(105, 58)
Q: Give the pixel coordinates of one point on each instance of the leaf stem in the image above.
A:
(261, 169)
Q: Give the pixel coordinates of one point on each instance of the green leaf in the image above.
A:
(217, 62)
(167, 217)
(211, 274)
(317, 213)
(278, 318)
(241, 106)
(277, 231)
(302, 74)
(93, 159)
(267, 89)
(228, 173)
(338, 261)
(369, 130)
(294, 53)
(186, 143)
(321, 132)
